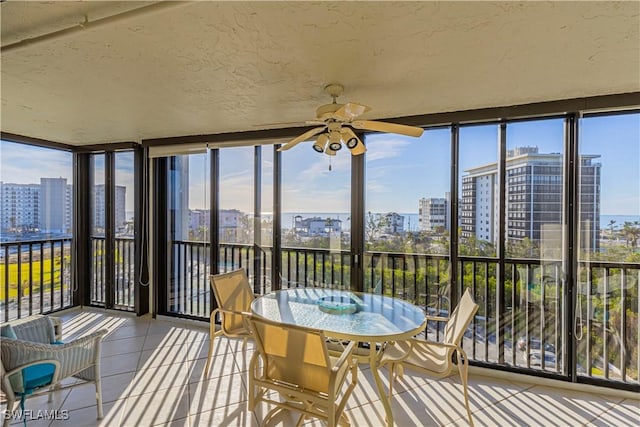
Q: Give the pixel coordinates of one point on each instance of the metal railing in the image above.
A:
(526, 332)
(304, 267)
(124, 281)
(188, 292)
(35, 277)
(607, 326)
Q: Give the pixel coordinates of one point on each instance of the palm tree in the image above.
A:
(611, 227)
(631, 232)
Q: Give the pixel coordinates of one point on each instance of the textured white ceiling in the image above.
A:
(213, 67)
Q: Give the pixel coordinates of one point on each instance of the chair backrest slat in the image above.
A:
(460, 319)
(293, 355)
(232, 292)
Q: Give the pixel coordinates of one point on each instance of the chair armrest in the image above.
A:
(245, 316)
(348, 351)
(238, 313)
(11, 385)
(436, 343)
(438, 318)
(35, 363)
(73, 356)
(57, 327)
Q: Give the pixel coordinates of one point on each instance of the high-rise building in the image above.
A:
(100, 208)
(534, 198)
(19, 207)
(179, 202)
(45, 207)
(55, 205)
(433, 213)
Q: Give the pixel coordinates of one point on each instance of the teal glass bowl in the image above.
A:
(337, 305)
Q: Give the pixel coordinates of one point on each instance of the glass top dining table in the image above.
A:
(346, 315)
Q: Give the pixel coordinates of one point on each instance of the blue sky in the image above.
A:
(399, 170)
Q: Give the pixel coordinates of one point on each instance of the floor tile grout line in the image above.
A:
(239, 359)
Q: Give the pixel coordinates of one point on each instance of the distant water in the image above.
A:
(619, 220)
(411, 222)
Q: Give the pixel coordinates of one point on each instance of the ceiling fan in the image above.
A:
(336, 121)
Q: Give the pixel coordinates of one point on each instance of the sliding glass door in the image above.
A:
(113, 275)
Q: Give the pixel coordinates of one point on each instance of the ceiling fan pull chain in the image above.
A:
(329, 163)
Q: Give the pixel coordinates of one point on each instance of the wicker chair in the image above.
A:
(295, 362)
(435, 358)
(34, 360)
(234, 297)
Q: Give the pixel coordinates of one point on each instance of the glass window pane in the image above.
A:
(36, 208)
(189, 204)
(236, 214)
(98, 224)
(98, 196)
(407, 203)
(609, 241)
(479, 196)
(236, 197)
(534, 191)
(124, 210)
(316, 204)
(478, 223)
(265, 219)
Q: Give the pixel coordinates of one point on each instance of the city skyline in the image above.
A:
(309, 186)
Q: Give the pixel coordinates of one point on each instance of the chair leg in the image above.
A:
(8, 415)
(99, 398)
(392, 371)
(344, 420)
(212, 335)
(252, 389)
(463, 368)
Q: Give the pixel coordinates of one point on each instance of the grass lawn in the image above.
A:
(24, 277)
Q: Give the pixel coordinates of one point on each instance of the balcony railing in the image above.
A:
(607, 326)
(35, 277)
(527, 334)
(124, 283)
(188, 293)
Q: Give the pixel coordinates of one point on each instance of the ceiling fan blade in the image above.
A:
(304, 137)
(350, 111)
(388, 127)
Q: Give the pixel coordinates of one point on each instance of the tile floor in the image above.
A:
(152, 373)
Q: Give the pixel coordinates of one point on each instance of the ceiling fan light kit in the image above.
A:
(335, 120)
(350, 138)
(321, 143)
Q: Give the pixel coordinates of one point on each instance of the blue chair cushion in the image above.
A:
(37, 376)
(7, 331)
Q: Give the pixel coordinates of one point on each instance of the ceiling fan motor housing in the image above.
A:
(326, 111)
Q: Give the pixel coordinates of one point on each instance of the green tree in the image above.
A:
(631, 232)
(374, 224)
(611, 228)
